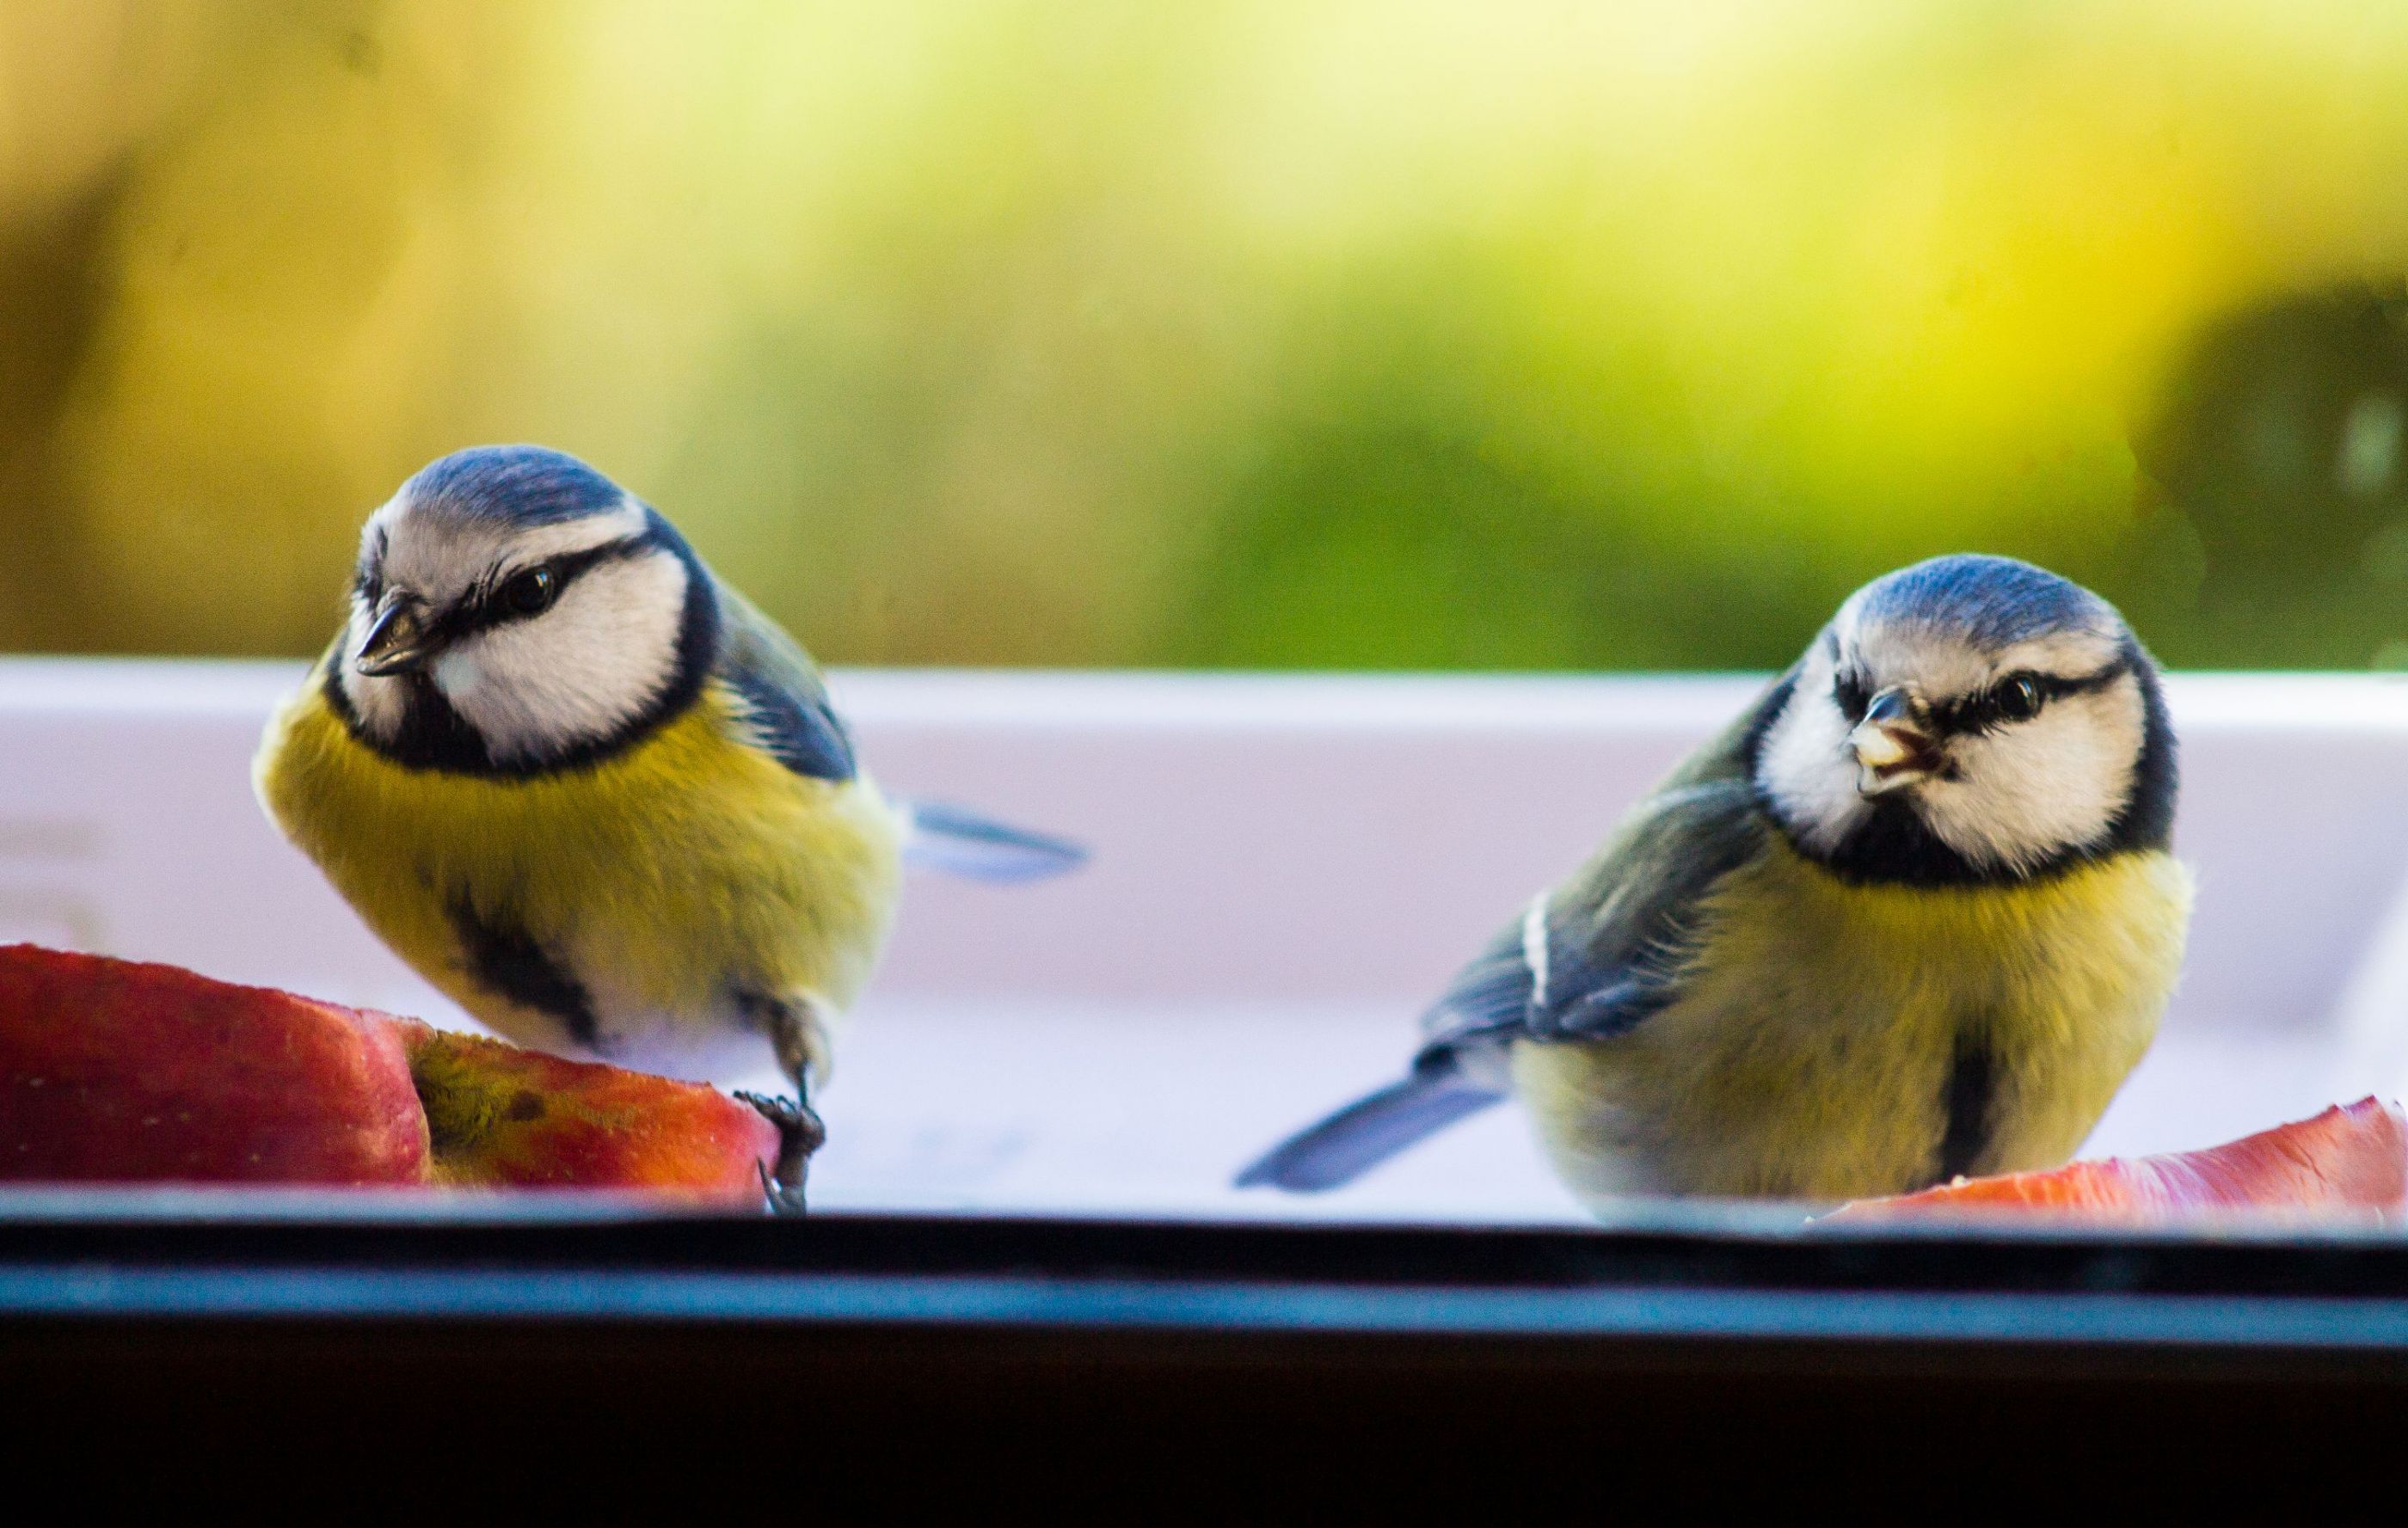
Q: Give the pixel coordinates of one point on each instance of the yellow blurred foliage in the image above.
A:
(1021, 333)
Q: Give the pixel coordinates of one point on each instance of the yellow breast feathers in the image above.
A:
(660, 877)
(1833, 1040)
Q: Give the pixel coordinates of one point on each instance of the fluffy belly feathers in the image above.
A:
(664, 883)
(1836, 1040)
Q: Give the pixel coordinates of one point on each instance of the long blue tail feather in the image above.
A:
(1368, 1132)
(963, 843)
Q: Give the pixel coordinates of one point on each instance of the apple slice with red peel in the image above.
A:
(501, 1116)
(2351, 1161)
(118, 1071)
(115, 1071)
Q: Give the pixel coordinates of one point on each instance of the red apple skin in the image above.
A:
(117, 1071)
(2350, 1161)
(500, 1116)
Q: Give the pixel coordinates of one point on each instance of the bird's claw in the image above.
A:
(800, 1135)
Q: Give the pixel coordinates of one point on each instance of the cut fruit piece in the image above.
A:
(501, 1116)
(112, 1071)
(2349, 1161)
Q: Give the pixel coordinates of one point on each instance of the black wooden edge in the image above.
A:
(1674, 1249)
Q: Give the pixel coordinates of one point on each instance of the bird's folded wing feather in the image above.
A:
(785, 700)
(1599, 952)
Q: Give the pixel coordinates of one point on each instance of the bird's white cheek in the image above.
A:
(579, 672)
(2040, 787)
(459, 675)
(1810, 772)
(378, 704)
(355, 631)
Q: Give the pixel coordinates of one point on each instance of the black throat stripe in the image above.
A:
(507, 961)
(1966, 1098)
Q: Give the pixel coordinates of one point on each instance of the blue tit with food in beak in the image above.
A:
(593, 794)
(1912, 915)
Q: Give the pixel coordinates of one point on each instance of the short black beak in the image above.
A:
(397, 641)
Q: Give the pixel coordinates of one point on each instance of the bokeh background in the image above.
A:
(1352, 333)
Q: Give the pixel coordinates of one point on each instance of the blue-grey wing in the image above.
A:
(785, 701)
(1601, 951)
(1599, 954)
(1590, 959)
(1587, 961)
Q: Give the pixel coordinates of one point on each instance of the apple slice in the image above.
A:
(499, 1115)
(113, 1071)
(117, 1071)
(2349, 1161)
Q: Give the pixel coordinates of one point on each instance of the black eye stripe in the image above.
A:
(1851, 694)
(1979, 713)
(487, 603)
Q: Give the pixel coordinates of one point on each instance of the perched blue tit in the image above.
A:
(591, 793)
(1912, 916)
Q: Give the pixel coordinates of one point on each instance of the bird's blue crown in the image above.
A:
(1994, 602)
(518, 485)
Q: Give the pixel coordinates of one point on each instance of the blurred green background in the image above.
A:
(1306, 333)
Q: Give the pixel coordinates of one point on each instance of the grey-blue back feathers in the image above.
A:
(792, 719)
(782, 689)
(1601, 953)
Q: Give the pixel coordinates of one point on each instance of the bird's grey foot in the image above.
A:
(800, 1135)
(795, 1026)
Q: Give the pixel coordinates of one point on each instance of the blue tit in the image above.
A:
(1912, 916)
(591, 793)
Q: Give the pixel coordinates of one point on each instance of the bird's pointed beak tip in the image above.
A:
(1891, 745)
(1889, 755)
(396, 642)
(1880, 747)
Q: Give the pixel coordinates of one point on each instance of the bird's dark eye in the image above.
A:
(1848, 693)
(2019, 697)
(531, 592)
